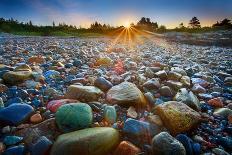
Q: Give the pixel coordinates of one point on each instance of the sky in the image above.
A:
(116, 12)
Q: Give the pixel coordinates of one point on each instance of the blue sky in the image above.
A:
(115, 12)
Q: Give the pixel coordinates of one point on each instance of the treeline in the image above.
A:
(16, 27)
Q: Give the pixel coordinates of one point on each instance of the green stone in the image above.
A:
(91, 141)
(110, 114)
(16, 77)
(74, 116)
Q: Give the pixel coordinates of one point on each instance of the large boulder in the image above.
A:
(91, 141)
(126, 94)
(15, 114)
(74, 116)
(165, 144)
(83, 93)
(177, 116)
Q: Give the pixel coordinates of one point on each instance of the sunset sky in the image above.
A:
(116, 12)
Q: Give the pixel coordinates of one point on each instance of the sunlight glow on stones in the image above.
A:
(127, 25)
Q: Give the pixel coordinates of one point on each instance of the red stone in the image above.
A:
(127, 148)
(216, 102)
(55, 104)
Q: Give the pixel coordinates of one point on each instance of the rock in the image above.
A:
(174, 76)
(126, 148)
(161, 74)
(9, 115)
(165, 144)
(152, 84)
(223, 112)
(36, 59)
(155, 119)
(74, 116)
(179, 70)
(103, 84)
(199, 81)
(150, 98)
(41, 147)
(104, 61)
(174, 85)
(3, 88)
(219, 151)
(225, 142)
(23, 67)
(31, 134)
(12, 140)
(188, 98)
(15, 150)
(110, 114)
(185, 80)
(83, 93)
(126, 94)
(2, 148)
(51, 74)
(166, 91)
(177, 116)
(131, 112)
(198, 89)
(36, 118)
(138, 132)
(55, 104)
(91, 141)
(16, 77)
(13, 100)
(228, 81)
(216, 102)
(187, 143)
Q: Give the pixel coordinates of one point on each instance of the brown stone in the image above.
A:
(36, 118)
(36, 59)
(126, 148)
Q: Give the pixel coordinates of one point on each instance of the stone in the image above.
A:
(187, 143)
(16, 77)
(74, 116)
(174, 76)
(174, 85)
(36, 59)
(104, 61)
(165, 144)
(155, 119)
(216, 102)
(15, 114)
(138, 132)
(110, 114)
(126, 148)
(15, 150)
(166, 91)
(36, 118)
(103, 84)
(228, 81)
(161, 74)
(131, 112)
(51, 74)
(83, 93)
(152, 84)
(179, 70)
(41, 147)
(185, 80)
(199, 81)
(23, 67)
(126, 94)
(2, 148)
(55, 104)
(91, 141)
(177, 116)
(188, 98)
(198, 89)
(223, 112)
(3, 88)
(12, 140)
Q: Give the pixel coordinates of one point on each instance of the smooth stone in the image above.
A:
(126, 148)
(23, 67)
(131, 112)
(41, 147)
(83, 93)
(161, 74)
(12, 140)
(1, 103)
(199, 81)
(150, 98)
(198, 89)
(216, 102)
(103, 84)
(187, 143)
(13, 100)
(74, 116)
(166, 91)
(16, 77)
(152, 84)
(188, 98)
(186, 81)
(55, 104)
(110, 114)
(15, 150)
(51, 74)
(219, 151)
(16, 113)
(174, 85)
(223, 112)
(104, 61)
(36, 59)
(138, 132)
(179, 70)
(91, 141)
(174, 76)
(36, 118)
(177, 116)
(3, 88)
(165, 144)
(226, 142)
(126, 94)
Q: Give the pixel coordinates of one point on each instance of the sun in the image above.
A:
(127, 25)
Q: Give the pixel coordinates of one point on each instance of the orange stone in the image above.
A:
(36, 59)
(216, 102)
(230, 119)
(127, 148)
(36, 118)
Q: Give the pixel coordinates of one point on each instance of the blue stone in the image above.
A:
(68, 65)
(41, 147)
(36, 102)
(12, 140)
(187, 142)
(138, 132)
(226, 142)
(51, 74)
(23, 94)
(15, 113)
(77, 63)
(15, 150)
(103, 84)
(196, 148)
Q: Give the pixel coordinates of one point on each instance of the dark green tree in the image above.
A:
(194, 23)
